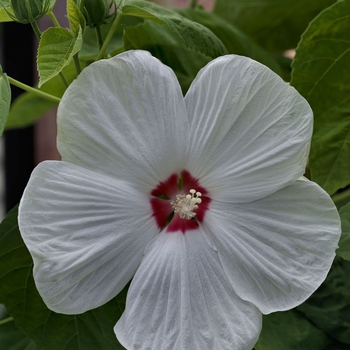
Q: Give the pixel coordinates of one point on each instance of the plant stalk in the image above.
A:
(193, 4)
(33, 90)
(341, 197)
(6, 320)
(54, 19)
(109, 36)
(99, 36)
(77, 63)
(36, 29)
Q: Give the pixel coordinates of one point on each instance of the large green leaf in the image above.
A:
(321, 73)
(12, 338)
(50, 331)
(193, 35)
(344, 244)
(166, 46)
(275, 24)
(328, 308)
(5, 99)
(289, 331)
(56, 49)
(235, 41)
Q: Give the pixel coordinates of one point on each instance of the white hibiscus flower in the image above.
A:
(252, 237)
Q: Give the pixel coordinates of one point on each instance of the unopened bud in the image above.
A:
(95, 12)
(28, 11)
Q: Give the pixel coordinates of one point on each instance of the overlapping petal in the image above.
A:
(180, 298)
(125, 117)
(86, 233)
(278, 250)
(250, 131)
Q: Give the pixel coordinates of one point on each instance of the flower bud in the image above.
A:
(96, 12)
(28, 11)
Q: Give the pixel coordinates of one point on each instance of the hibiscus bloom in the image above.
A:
(199, 199)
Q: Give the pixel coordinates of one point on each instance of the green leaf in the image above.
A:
(276, 25)
(328, 307)
(5, 99)
(12, 338)
(193, 35)
(50, 331)
(27, 109)
(290, 330)
(56, 49)
(163, 44)
(321, 73)
(75, 17)
(5, 10)
(235, 41)
(344, 244)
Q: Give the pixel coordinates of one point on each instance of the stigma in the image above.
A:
(185, 204)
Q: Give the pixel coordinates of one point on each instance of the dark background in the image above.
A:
(18, 63)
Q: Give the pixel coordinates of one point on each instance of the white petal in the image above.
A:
(250, 130)
(181, 299)
(125, 117)
(278, 250)
(86, 233)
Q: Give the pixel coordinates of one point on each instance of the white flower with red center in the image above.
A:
(199, 199)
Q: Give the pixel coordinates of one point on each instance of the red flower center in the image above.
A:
(179, 203)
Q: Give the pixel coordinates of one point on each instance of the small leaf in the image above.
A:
(193, 35)
(5, 99)
(75, 17)
(290, 330)
(56, 49)
(321, 73)
(344, 244)
(50, 331)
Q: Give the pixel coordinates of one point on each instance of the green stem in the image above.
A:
(33, 90)
(63, 78)
(6, 320)
(36, 29)
(341, 197)
(99, 36)
(193, 4)
(109, 36)
(54, 19)
(77, 63)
